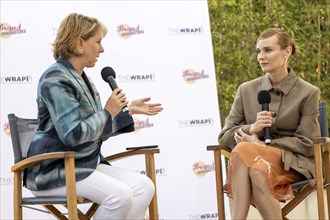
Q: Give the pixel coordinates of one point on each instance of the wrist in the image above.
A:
(110, 112)
(252, 129)
(130, 110)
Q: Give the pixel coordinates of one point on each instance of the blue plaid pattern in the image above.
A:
(71, 119)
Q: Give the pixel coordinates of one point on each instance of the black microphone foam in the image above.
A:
(109, 75)
(106, 72)
(264, 99)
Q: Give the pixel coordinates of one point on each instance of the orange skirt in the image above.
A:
(269, 160)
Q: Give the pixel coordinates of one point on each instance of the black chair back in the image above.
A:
(323, 119)
(21, 132)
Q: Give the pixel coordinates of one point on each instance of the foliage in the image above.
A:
(236, 24)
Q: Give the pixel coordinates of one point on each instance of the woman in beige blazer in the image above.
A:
(260, 173)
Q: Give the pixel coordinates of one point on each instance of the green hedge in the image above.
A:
(236, 24)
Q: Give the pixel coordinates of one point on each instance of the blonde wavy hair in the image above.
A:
(72, 28)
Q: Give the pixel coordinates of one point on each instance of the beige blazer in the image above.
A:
(295, 103)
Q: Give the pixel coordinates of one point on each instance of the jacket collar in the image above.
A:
(285, 86)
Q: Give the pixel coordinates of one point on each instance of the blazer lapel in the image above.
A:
(86, 90)
(81, 84)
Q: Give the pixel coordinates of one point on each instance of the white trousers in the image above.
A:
(120, 193)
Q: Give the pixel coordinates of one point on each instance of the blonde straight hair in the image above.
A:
(72, 28)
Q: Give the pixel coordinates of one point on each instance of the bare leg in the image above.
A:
(241, 188)
(266, 203)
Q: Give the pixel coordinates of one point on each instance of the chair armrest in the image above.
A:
(323, 143)
(321, 140)
(225, 150)
(23, 164)
(70, 179)
(130, 153)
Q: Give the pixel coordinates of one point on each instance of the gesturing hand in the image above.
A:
(140, 106)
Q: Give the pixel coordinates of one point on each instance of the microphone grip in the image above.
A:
(113, 86)
(265, 107)
(267, 137)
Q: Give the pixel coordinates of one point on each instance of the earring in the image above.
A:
(284, 57)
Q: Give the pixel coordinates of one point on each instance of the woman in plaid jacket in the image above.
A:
(73, 119)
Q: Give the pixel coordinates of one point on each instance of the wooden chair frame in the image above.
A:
(302, 189)
(322, 156)
(71, 200)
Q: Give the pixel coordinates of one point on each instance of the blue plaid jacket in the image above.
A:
(71, 119)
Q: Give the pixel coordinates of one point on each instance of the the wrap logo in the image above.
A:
(158, 172)
(186, 31)
(190, 76)
(196, 122)
(204, 216)
(7, 30)
(137, 78)
(200, 168)
(125, 31)
(6, 180)
(16, 79)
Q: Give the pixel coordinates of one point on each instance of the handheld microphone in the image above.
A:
(264, 99)
(109, 75)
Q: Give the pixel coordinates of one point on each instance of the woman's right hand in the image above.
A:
(116, 102)
(264, 119)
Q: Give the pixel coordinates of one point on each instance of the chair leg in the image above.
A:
(55, 212)
(150, 169)
(18, 195)
(92, 210)
(319, 180)
(293, 203)
(82, 216)
(326, 158)
(219, 184)
(70, 178)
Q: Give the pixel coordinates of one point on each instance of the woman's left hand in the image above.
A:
(140, 106)
(241, 136)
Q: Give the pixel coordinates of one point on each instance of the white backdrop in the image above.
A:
(166, 54)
